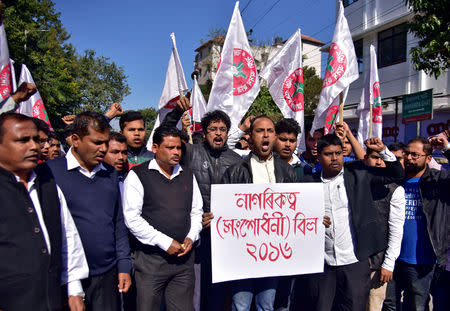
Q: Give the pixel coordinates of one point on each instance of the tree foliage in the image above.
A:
(313, 87)
(65, 80)
(431, 25)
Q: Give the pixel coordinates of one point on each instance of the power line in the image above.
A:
(267, 12)
(248, 3)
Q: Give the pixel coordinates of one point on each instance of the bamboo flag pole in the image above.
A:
(341, 107)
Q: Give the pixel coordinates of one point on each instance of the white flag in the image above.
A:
(34, 106)
(236, 84)
(174, 85)
(5, 66)
(284, 73)
(198, 102)
(370, 99)
(341, 70)
(175, 82)
(13, 76)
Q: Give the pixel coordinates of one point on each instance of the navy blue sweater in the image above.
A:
(96, 208)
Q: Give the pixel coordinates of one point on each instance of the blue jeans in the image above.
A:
(415, 282)
(263, 289)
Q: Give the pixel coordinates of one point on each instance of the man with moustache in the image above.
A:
(93, 197)
(40, 246)
(354, 233)
(163, 210)
(117, 155)
(54, 149)
(44, 132)
(208, 161)
(426, 230)
(260, 166)
(309, 157)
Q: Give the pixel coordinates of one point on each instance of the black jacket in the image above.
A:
(241, 172)
(207, 164)
(358, 180)
(435, 194)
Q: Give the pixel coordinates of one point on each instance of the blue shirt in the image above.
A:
(416, 245)
(308, 168)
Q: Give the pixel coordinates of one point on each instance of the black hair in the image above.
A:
(41, 126)
(287, 125)
(328, 140)
(68, 130)
(426, 144)
(88, 119)
(117, 137)
(184, 136)
(11, 116)
(164, 131)
(308, 129)
(369, 151)
(397, 146)
(54, 136)
(263, 116)
(216, 115)
(130, 116)
(197, 137)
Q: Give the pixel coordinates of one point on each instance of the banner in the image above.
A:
(284, 73)
(370, 99)
(236, 84)
(198, 102)
(5, 65)
(34, 106)
(262, 230)
(341, 70)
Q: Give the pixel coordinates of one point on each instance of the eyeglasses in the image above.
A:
(414, 155)
(214, 129)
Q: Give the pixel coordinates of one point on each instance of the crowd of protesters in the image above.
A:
(110, 225)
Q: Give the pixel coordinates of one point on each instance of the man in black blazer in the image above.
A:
(354, 233)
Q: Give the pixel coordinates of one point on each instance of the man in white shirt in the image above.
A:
(390, 202)
(163, 210)
(38, 239)
(354, 234)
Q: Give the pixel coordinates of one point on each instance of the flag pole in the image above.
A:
(371, 121)
(341, 107)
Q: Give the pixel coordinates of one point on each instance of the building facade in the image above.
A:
(383, 24)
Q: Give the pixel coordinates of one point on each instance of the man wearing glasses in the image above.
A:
(44, 132)
(208, 161)
(426, 230)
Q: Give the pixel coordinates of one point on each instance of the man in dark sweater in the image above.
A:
(163, 210)
(93, 197)
(208, 161)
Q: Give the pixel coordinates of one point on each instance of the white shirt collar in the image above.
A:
(254, 156)
(332, 178)
(295, 160)
(73, 163)
(31, 180)
(153, 165)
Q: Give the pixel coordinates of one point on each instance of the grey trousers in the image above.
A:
(160, 275)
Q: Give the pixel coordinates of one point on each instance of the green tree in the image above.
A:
(264, 104)
(313, 87)
(431, 25)
(67, 82)
(101, 82)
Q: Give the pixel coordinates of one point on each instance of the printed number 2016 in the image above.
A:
(269, 251)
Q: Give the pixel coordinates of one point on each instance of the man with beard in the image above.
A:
(426, 229)
(117, 155)
(163, 210)
(208, 161)
(354, 233)
(132, 126)
(260, 166)
(93, 197)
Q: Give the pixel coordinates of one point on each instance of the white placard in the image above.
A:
(262, 230)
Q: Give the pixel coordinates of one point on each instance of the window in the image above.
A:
(359, 54)
(392, 45)
(346, 3)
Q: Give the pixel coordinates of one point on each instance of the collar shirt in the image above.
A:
(339, 237)
(74, 263)
(72, 163)
(295, 160)
(133, 199)
(263, 172)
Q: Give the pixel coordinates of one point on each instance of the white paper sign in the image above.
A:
(262, 230)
